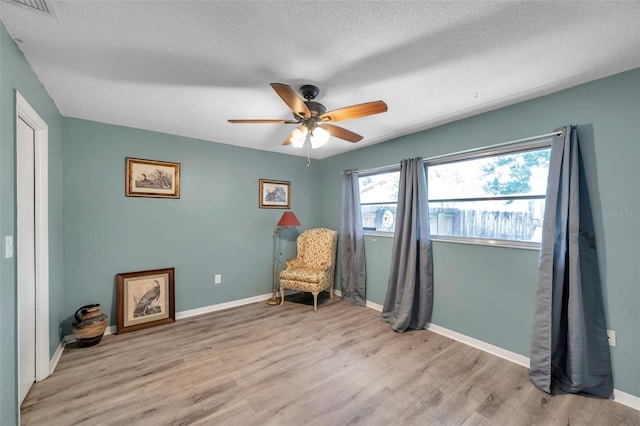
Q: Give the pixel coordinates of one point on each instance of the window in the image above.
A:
(378, 200)
(492, 197)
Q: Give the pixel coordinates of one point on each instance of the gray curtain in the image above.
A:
(409, 299)
(352, 260)
(569, 345)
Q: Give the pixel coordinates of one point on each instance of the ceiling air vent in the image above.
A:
(39, 5)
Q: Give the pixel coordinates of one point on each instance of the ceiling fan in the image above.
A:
(313, 118)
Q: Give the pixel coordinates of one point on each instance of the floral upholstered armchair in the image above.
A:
(313, 268)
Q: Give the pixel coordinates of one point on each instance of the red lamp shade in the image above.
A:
(288, 219)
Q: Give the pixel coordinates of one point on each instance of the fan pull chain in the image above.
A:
(308, 154)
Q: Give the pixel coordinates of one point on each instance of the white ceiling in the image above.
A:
(185, 67)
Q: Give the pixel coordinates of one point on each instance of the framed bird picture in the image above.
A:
(145, 299)
(150, 178)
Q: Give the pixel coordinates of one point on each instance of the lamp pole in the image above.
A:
(288, 219)
(274, 300)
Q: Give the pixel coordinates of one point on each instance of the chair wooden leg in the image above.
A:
(281, 295)
(331, 292)
(315, 300)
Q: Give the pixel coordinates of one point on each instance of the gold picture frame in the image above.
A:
(274, 194)
(150, 178)
(145, 299)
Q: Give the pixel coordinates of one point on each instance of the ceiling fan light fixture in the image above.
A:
(298, 136)
(318, 137)
(312, 117)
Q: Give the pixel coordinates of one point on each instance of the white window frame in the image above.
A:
(373, 172)
(480, 153)
(528, 144)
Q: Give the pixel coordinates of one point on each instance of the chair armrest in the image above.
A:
(324, 266)
(292, 263)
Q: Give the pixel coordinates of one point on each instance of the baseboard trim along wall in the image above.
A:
(69, 338)
(479, 344)
(53, 362)
(221, 306)
(626, 399)
(620, 397)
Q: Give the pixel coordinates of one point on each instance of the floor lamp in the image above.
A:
(288, 219)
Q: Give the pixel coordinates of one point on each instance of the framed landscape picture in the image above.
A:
(145, 299)
(274, 194)
(149, 178)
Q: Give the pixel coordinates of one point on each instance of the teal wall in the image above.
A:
(216, 227)
(488, 292)
(15, 73)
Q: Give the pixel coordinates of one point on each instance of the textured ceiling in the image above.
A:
(185, 67)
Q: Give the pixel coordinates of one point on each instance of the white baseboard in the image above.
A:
(374, 306)
(369, 304)
(70, 338)
(479, 344)
(627, 399)
(470, 341)
(53, 362)
(221, 306)
(620, 397)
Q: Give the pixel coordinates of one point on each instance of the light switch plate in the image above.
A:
(8, 246)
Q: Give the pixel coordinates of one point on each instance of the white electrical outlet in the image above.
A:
(217, 279)
(611, 335)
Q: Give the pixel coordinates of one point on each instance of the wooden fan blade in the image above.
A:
(287, 141)
(264, 121)
(342, 133)
(354, 111)
(291, 98)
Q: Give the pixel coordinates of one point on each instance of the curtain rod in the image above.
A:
(468, 151)
(495, 146)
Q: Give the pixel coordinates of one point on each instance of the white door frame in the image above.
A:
(41, 153)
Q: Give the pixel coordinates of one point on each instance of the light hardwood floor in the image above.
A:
(286, 365)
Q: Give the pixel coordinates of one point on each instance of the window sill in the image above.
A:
(378, 234)
(522, 245)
